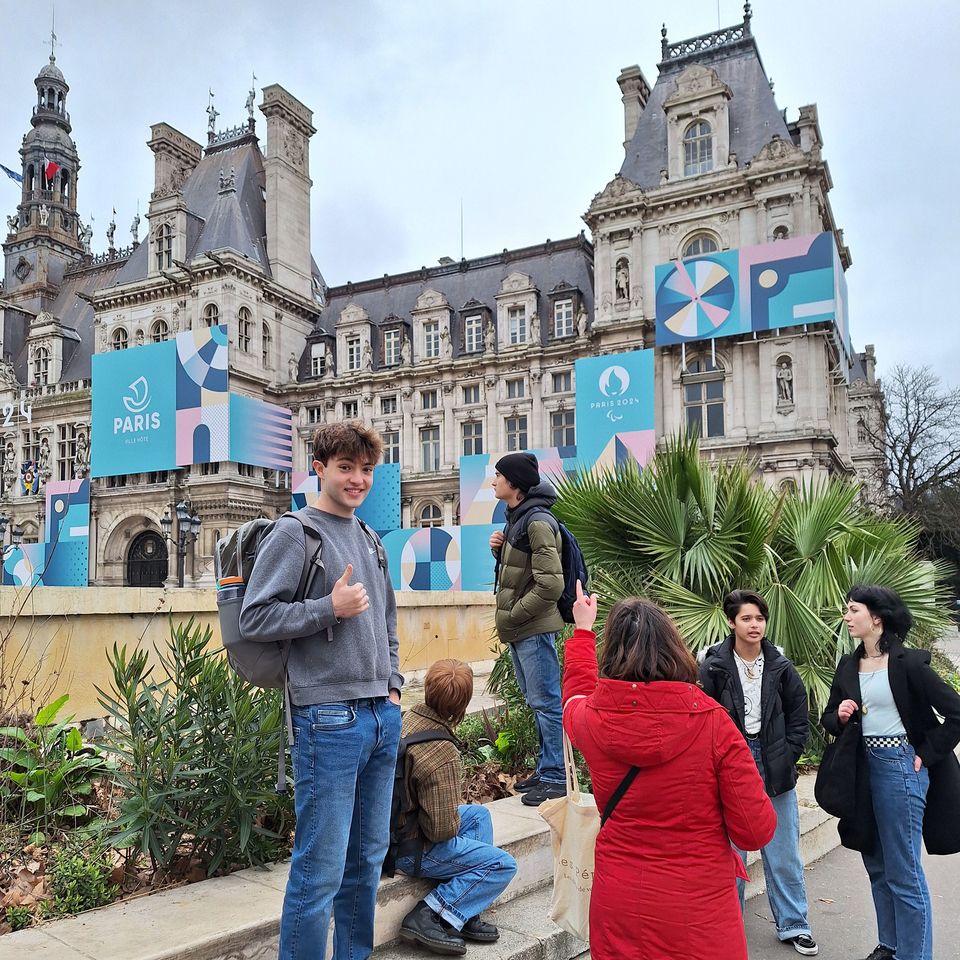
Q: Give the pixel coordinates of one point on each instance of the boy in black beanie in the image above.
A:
(529, 584)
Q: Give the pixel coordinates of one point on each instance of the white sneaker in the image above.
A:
(805, 944)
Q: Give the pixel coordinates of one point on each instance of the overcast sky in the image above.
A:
(512, 109)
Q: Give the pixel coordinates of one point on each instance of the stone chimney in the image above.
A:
(287, 171)
(636, 92)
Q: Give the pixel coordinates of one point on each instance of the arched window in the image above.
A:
(159, 330)
(41, 366)
(431, 515)
(164, 246)
(780, 232)
(697, 149)
(703, 397)
(65, 186)
(120, 339)
(266, 343)
(788, 486)
(244, 329)
(211, 314)
(700, 243)
(30, 178)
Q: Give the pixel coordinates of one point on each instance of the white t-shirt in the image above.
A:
(751, 677)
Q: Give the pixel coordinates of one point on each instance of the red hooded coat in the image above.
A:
(664, 886)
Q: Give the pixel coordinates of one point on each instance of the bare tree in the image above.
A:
(919, 436)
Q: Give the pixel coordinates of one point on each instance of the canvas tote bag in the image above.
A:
(574, 824)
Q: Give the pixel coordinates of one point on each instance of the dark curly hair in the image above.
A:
(886, 604)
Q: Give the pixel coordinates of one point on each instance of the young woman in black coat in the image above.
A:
(907, 777)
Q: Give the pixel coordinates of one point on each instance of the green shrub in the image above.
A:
(198, 747)
(50, 770)
(18, 917)
(80, 879)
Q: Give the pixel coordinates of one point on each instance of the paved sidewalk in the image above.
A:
(841, 910)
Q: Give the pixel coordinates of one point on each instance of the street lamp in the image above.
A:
(188, 529)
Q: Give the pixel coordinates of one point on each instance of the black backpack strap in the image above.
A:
(618, 794)
(426, 736)
(381, 555)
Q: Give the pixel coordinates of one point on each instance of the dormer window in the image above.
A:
(164, 247)
(697, 149)
(41, 366)
(391, 348)
(517, 323)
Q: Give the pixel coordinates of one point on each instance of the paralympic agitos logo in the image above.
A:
(138, 419)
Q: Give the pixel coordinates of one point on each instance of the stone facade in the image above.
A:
(464, 357)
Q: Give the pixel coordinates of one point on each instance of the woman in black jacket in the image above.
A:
(906, 776)
(765, 697)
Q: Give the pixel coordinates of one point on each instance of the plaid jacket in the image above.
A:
(434, 776)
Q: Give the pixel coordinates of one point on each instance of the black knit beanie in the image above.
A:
(521, 469)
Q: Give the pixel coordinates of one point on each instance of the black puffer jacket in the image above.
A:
(784, 721)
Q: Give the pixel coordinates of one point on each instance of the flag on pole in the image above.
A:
(12, 174)
(50, 169)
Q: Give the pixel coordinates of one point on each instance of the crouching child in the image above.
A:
(455, 842)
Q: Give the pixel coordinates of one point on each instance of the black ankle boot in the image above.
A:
(422, 925)
(479, 931)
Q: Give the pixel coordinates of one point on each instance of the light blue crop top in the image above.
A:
(880, 715)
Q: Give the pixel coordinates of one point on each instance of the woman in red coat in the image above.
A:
(664, 886)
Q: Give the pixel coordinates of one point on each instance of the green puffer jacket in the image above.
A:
(531, 576)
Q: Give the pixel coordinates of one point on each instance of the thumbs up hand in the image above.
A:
(348, 599)
(584, 609)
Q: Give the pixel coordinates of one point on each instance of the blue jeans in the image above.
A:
(782, 864)
(474, 872)
(900, 895)
(538, 676)
(344, 755)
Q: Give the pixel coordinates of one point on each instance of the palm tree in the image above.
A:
(685, 532)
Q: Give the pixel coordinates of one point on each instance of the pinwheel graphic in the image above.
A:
(695, 298)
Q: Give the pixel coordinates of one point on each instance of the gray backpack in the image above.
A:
(264, 664)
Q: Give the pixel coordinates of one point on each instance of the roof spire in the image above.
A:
(53, 34)
(747, 16)
(663, 41)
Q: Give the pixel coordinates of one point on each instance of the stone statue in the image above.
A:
(212, 115)
(328, 362)
(9, 470)
(44, 215)
(535, 328)
(293, 367)
(785, 383)
(406, 351)
(86, 235)
(135, 229)
(81, 460)
(13, 223)
(490, 338)
(623, 279)
(251, 97)
(367, 359)
(447, 344)
(111, 230)
(582, 322)
(7, 373)
(43, 461)
(140, 338)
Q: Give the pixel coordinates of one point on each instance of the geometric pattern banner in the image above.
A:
(62, 559)
(767, 287)
(261, 433)
(167, 405)
(615, 414)
(424, 558)
(203, 399)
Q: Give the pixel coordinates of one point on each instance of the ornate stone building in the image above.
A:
(465, 357)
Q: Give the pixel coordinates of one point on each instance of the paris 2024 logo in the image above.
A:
(613, 384)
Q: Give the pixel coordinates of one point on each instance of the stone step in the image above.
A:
(526, 933)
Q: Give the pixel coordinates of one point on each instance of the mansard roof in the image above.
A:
(754, 115)
(476, 281)
(220, 219)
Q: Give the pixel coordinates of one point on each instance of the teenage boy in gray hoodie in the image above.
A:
(345, 682)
